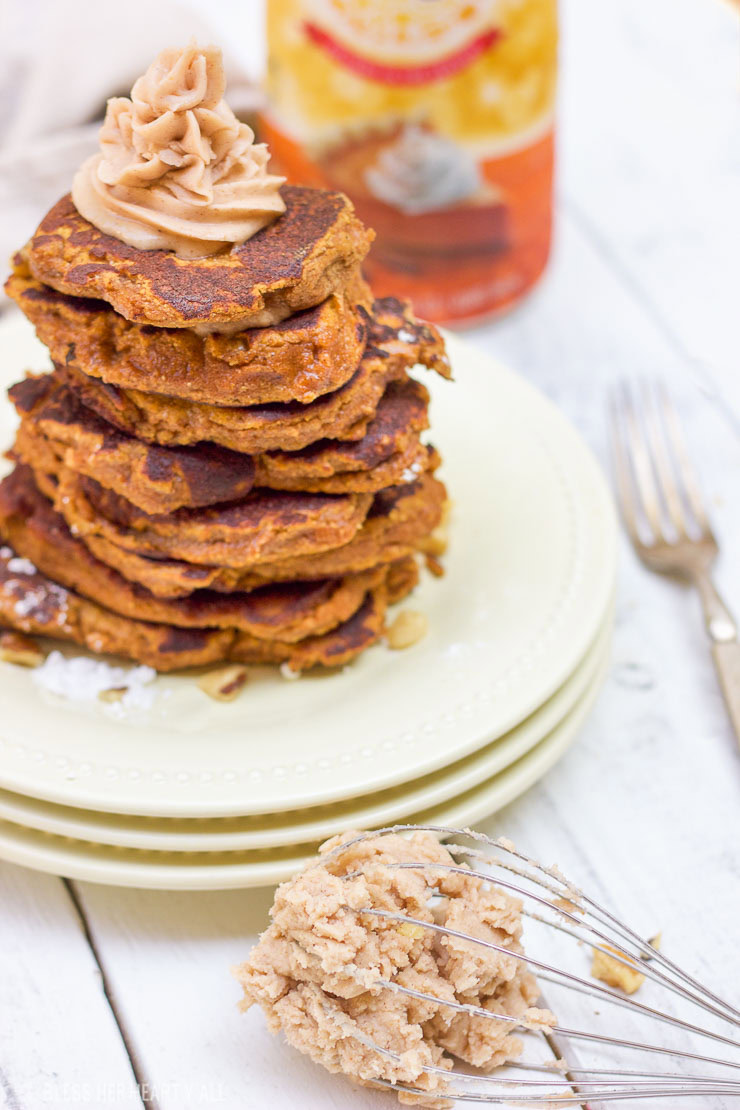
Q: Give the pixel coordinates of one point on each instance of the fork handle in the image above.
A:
(723, 633)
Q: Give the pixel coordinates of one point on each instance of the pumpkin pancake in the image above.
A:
(34, 603)
(264, 525)
(395, 344)
(309, 354)
(57, 428)
(398, 521)
(286, 611)
(390, 451)
(299, 260)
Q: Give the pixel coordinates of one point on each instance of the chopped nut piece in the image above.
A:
(567, 906)
(225, 684)
(506, 844)
(21, 650)
(614, 973)
(656, 941)
(113, 694)
(407, 629)
(409, 929)
(436, 542)
(434, 566)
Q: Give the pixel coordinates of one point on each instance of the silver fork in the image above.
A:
(664, 513)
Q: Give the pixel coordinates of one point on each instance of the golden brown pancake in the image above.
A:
(287, 611)
(395, 343)
(264, 525)
(171, 422)
(390, 451)
(34, 603)
(398, 521)
(296, 262)
(57, 428)
(311, 353)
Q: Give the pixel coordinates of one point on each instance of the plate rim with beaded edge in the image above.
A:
(98, 863)
(266, 831)
(530, 571)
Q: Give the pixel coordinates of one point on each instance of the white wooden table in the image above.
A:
(120, 997)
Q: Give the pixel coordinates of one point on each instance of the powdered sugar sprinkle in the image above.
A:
(82, 679)
(18, 565)
(411, 473)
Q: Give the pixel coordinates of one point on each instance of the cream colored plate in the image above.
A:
(79, 859)
(280, 829)
(530, 573)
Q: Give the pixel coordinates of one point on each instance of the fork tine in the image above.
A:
(665, 468)
(682, 463)
(622, 471)
(638, 472)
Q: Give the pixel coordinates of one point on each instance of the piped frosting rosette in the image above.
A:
(176, 169)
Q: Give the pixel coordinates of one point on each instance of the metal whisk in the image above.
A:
(559, 919)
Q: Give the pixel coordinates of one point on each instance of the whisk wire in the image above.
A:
(547, 1099)
(558, 904)
(650, 973)
(579, 898)
(543, 877)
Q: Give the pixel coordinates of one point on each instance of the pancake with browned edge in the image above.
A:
(296, 262)
(57, 428)
(397, 523)
(263, 526)
(286, 611)
(34, 603)
(299, 359)
(390, 452)
(395, 343)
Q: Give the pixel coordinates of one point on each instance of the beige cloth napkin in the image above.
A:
(59, 63)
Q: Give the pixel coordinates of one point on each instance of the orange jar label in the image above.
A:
(436, 117)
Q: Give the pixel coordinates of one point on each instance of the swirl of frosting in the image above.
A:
(176, 169)
(423, 172)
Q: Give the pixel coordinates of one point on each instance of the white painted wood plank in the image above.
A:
(650, 161)
(582, 331)
(168, 957)
(645, 808)
(59, 1042)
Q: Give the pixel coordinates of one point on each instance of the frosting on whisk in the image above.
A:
(176, 169)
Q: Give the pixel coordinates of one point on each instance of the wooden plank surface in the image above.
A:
(59, 1041)
(650, 164)
(169, 957)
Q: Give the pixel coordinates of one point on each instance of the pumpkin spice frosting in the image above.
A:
(177, 170)
(177, 223)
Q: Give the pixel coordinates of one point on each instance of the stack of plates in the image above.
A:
(192, 793)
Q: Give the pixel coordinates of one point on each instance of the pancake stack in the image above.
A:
(226, 462)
